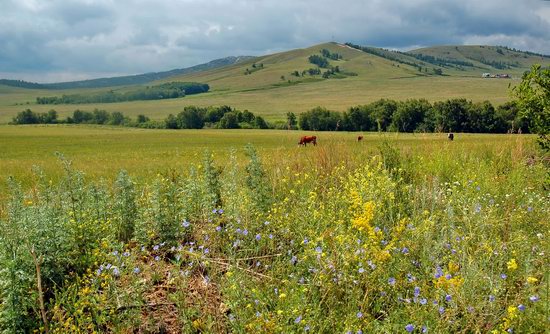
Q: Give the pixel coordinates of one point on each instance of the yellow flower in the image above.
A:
(512, 265)
(532, 280)
(512, 312)
(282, 295)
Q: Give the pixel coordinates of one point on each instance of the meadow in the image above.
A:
(203, 233)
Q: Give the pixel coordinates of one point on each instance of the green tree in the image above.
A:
(533, 98)
(291, 121)
(191, 118)
(229, 121)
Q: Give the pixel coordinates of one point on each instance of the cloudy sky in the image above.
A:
(57, 40)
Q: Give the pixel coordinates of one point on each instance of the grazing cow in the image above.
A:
(308, 139)
(451, 136)
(359, 138)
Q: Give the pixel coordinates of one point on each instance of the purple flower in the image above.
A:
(319, 249)
(220, 211)
(218, 228)
(491, 298)
(115, 253)
(359, 314)
(438, 272)
(391, 281)
(258, 237)
(416, 291)
(529, 209)
(534, 298)
(258, 314)
(156, 247)
(448, 298)
(270, 236)
(423, 301)
(409, 328)
(503, 276)
(185, 223)
(306, 240)
(405, 250)
(307, 328)
(361, 270)
(297, 320)
(245, 232)
(521, 307)
(136, 270)
(157, 258)
(424, 329)
(441, 310)
(116, 272)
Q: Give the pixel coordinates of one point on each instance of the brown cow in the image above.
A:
(359, 138)
(308, 139)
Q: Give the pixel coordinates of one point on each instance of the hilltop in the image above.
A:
(275, 84)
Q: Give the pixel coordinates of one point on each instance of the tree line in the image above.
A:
(455, 115)
(223, 117)
(168, 90)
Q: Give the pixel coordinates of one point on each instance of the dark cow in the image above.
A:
(359, 138)
(308, 139)
(451, 136)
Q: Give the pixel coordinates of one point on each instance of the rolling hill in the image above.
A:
(275, 84)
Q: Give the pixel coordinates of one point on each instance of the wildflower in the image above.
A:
(306, 240)
(206, 251)
(424, 329)
(157, 258)
(185, 223)
(439, 272)
(534, 298)
(116, 272)
(156, 247)
(307, 328)
(297, 320)
(126, 254)
(245, 232)
(218, 228)
(293, 260)
(258, 314)
(359, 314)
(503, 276)
(391, 281)
(361, 270)
(441, 310)
(521, 307)
(423, 301)
(448, 298)
(220, 211)
(359, 332)
(416, 291)
(258, 237)
(529, 209)
(532, 280)
(512, 265)
(477, 208)
(282, 295)
(319, 249)
(405, 250)
(136, 270)
(491, 298)
(448, 276)
(409, 328)
(270, 236)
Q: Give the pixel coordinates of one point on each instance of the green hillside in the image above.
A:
(266, 85)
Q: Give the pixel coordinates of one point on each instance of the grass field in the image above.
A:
(102, 151)
(264, 92)
(398, 233)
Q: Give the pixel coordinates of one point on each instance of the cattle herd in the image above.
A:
(304, 140)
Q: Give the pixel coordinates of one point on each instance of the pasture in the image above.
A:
(398, 233)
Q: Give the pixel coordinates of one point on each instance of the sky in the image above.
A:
(63, 40)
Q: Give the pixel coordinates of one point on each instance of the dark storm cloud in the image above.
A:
(62, 39)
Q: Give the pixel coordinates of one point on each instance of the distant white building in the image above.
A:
(486, 75)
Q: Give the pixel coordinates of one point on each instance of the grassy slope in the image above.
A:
(263, 92)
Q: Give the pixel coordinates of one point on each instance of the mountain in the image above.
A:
(137, 79)
(275, 84)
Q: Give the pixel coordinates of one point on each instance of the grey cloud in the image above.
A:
(87, 37)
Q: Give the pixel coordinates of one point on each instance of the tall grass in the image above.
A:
(431, 238)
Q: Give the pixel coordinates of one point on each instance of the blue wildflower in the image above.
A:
(297, 320)
(361, 270)
(521, 307)
(136, 270)
(185, 223)
(534, 298)
(491, 298)
(409, 328)
(319, 249)
(359, 314)
(441, 310)
(503, 276)
(405, 250)
(156, 247)
(391, 281)
(416, 291)
(423, 301)
(448, 298)
(258, 237)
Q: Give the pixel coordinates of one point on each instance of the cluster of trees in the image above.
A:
(456, 115)
(168, 90)
(327, 54)
(439, 61)
(320, 61)
(255, 67)
(96, 116)
(223, 117)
